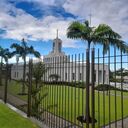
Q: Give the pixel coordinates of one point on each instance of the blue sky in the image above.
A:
(38, 20)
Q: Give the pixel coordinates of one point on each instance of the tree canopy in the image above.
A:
(103, 34)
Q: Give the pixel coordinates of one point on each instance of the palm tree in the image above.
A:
(23, 50)
(5, 55)
(104, 35)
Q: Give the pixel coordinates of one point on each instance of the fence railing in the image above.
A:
(84, 90)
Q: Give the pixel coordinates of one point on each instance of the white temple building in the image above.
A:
(67, 69)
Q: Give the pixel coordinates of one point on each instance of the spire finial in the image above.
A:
(57, 33)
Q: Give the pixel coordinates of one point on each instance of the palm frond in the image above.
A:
(76, 30)
(106, 31)
(105, 36)
(15, 45)
(121, 45)
(23, 50)
(31, 50)
(5, 54)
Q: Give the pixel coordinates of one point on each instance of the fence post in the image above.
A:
(6, 83)
(29, 88)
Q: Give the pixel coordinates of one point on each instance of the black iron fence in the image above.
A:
(84, 90)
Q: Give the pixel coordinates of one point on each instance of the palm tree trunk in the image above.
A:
(1, 71)
(87, 83)
(24, 75)
(6, 83)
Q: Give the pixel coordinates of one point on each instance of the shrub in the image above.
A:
(106, 87)
(72, 84)
(116, 80)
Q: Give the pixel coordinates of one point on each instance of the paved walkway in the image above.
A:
(58, 122)
(12, 99)
(119, 124)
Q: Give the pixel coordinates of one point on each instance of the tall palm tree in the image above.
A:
(5, 55)
(1, 51)
(23, 50)
(103, 34)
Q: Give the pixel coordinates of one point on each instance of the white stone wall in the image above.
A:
(66, 71)
(17, 71)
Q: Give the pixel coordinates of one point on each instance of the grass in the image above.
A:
(10, 119)
(71, 102)
(70, 97)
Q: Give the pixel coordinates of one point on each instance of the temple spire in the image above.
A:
(57, 34)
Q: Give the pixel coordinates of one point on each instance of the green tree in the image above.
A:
(39, 71)
(104, 35)
(23, 50)
(5, 54)
(39, 90)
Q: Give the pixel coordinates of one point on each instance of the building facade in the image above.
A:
(65, 67)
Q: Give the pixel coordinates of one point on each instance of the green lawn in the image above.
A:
(10, 119)
(68, 101)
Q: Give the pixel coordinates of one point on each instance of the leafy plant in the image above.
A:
(39, 91)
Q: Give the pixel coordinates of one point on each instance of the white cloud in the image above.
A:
(24, 25)
(111, 12)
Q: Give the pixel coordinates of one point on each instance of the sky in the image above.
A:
(38, 20)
